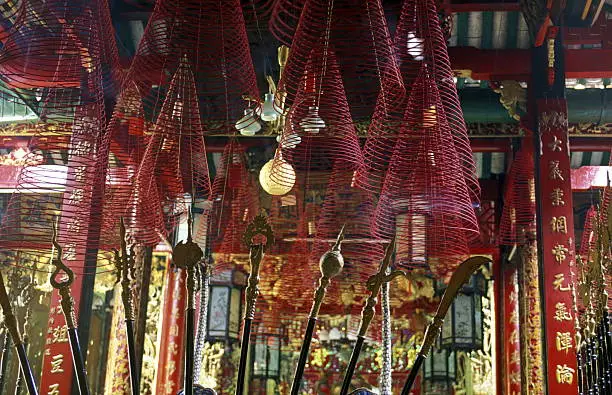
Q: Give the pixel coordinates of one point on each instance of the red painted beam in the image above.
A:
(515, 64)
(457, 6)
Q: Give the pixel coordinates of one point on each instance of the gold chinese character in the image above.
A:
(561, 312)
(56, 364)
(559, 224)
(565, 374)
(170, 368)
(514, 317)
(555, 145)
(514, 336)
(556, 196)
(74, 226)
(79, 174)
(560, 253)
(515, 357)
(513, 297)
(76, 196)
(173, 348)
(563, 341)
(60, 334)
(53, 389)
(174, 330)
(69, 253)
(515, 377)
(554, 171)
(558, 282)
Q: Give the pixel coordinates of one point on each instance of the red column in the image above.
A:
(556, 234)
(170, 366)
(511, 339)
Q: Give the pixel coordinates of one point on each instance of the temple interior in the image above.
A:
(275, 197)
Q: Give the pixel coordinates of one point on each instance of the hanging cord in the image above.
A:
(202, 321)
(330, 12)
(205, 272)
(386, 383)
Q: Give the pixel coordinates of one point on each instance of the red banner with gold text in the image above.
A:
(557, 245)
(170, 367)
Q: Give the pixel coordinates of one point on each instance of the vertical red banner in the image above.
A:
(512, 341)
(57, 368)
(170, 367)
(557, 245)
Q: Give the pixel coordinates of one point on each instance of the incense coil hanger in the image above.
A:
(63, 286)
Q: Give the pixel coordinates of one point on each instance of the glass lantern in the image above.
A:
(439, 371)
(463, 325)
(267, 356)
(224, 307)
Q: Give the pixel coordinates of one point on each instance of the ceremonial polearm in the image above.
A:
(11, 326)
(373, 285)
(67, 302)
(187, 255)
(460, 277)
(330, 265)
(258, 227)
(124, 263)
(4, 354)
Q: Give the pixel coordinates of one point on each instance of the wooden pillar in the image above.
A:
(554, 214)
(170, 366)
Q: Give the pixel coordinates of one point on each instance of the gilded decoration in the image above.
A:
(551, 121)
(154, 316)
(476, 370)
(513, 97)
(530, 316)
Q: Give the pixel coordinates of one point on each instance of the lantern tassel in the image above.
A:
(459, 277)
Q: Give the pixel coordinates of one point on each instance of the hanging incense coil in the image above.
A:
(212, 36)
(174, 167)
(285, 18)
(518, 215)
(327, 27)
(418, 41)
(235, 203)
(422, 197)
(57, 59)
